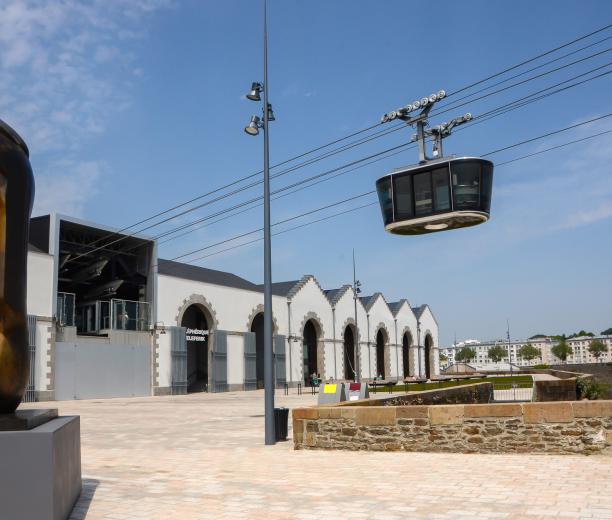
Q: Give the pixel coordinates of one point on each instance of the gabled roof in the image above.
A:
(203, 274)
(281, 288)
(365, 300)
(368, 301)
(396, 306)
(334, 295)
(301, 283)
(418, 312)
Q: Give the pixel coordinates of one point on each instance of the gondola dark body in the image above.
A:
(439, 195)
(16, 196)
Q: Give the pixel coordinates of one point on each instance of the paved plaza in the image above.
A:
(201, 456)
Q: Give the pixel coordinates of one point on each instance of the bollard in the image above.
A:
(286, 388)
(299, 388)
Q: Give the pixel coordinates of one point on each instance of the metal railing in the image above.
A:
(29, 396)
(512, 392)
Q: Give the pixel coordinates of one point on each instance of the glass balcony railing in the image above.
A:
(65, 309)
(130, 315)
(98, 316)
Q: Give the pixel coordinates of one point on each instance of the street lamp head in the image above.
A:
(255, 90)
(270, 113)
(253, 127)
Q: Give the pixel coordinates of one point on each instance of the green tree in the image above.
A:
(529, 352)
(497, 353)
(466, 354)
(561, 350)
(597, 348)
(607, 332)
(443, 358)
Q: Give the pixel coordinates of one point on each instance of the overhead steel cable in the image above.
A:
(520, 143)
(547, 135)
(321, 147)
(293, 228)
(563, 145)
(487, 115)
(121, 237)
(247, 177)
(295, 217)
(351, 145)
(321, 177)
(526, 100)
(522, 82)
(484, 89)
(599, 134)
(530, 60)
(279, 196)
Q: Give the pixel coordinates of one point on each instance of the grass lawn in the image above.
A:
(500, 383)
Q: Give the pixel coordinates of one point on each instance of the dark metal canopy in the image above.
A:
(448, 193)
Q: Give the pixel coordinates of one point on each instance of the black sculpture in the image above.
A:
(16, 196)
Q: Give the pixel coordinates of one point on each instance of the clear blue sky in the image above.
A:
(130, 107)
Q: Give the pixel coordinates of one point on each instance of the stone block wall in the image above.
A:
(561, 427)
(555, 390)
(464, 394)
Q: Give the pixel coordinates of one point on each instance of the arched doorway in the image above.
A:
(380, 354)
(428, 353)
(310, 351)
(196, 321)
(257, 326)
(349, 354)
(406, 344)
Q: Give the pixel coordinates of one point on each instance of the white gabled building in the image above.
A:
(111, 319)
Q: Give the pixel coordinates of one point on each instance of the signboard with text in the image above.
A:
(197, 335)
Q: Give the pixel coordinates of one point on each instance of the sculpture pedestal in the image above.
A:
(40, 470)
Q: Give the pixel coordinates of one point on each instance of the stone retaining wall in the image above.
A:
(462, 394)
(555, 390)
(560, 427)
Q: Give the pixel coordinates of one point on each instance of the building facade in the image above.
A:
(579, 345)
(109, 318)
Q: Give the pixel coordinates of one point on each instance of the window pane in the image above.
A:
(487, 185)
(466, 185)
(383, 188)
(441, 191)
(403, 197)
(422, 194)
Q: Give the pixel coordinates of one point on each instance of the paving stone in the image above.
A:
(201, 456)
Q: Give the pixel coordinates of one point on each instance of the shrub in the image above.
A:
(543, 365)
(589, 388)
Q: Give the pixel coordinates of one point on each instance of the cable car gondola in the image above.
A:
(448, 193)
(439, 193)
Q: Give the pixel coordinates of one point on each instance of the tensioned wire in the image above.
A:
(337, 171)
(395, 150)
(484, 89)
(452, 106)
(327, 206)
(334, 215)
(233, 183)
(338, 214)
(487, 115)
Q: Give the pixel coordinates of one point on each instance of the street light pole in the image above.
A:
(356, 291)
(253, 129)
(268, 352)
(419, 345)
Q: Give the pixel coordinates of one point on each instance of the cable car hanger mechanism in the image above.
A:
(438, 132)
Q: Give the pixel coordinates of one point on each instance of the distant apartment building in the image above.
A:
(580, 351)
